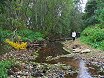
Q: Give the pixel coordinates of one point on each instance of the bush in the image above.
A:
(26, 35)
(4, 66)
(100, 25)
(4, 34)
(101, 46)
(93, 36)
(29, 35)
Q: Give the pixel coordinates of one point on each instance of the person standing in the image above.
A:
(73, 35)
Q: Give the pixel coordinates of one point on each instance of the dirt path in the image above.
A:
(84, 51)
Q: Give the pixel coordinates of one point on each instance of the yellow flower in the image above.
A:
(16, 45)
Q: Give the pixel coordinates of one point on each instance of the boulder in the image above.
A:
(86, 51)
(77, 50)
(76, 46)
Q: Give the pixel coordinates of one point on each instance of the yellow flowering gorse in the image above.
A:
(17, 45)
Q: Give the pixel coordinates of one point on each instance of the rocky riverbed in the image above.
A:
(54, 62)
(37, 70)
(94, 58)
(84, 51)
(48, 65)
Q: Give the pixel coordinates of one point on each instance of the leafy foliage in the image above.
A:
(100, 15)
(29, 35)
(4, 66)
(49, 17)
(93, 36)
(94, 20)
(26, 35)
(89, 16)
(94, 12)
(4, 34)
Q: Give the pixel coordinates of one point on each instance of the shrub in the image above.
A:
(93, 36)
(29, 35)
(4, 66)
(38, 36)
(100, 25)
(25, 34)
(101, 45)
(4, 34)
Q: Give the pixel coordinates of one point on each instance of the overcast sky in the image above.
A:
(83, 4)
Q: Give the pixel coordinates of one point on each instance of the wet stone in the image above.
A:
(37, 74)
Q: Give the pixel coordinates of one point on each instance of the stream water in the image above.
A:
(54, 49)
(83, 70)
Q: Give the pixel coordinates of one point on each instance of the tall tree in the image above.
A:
(51, 16)
(76, 16)
(48, 16)
(100, 11)
(90, 13)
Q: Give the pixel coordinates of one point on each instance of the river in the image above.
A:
(83, 70)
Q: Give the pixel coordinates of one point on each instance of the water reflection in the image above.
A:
(83, 70)
(52, 49)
